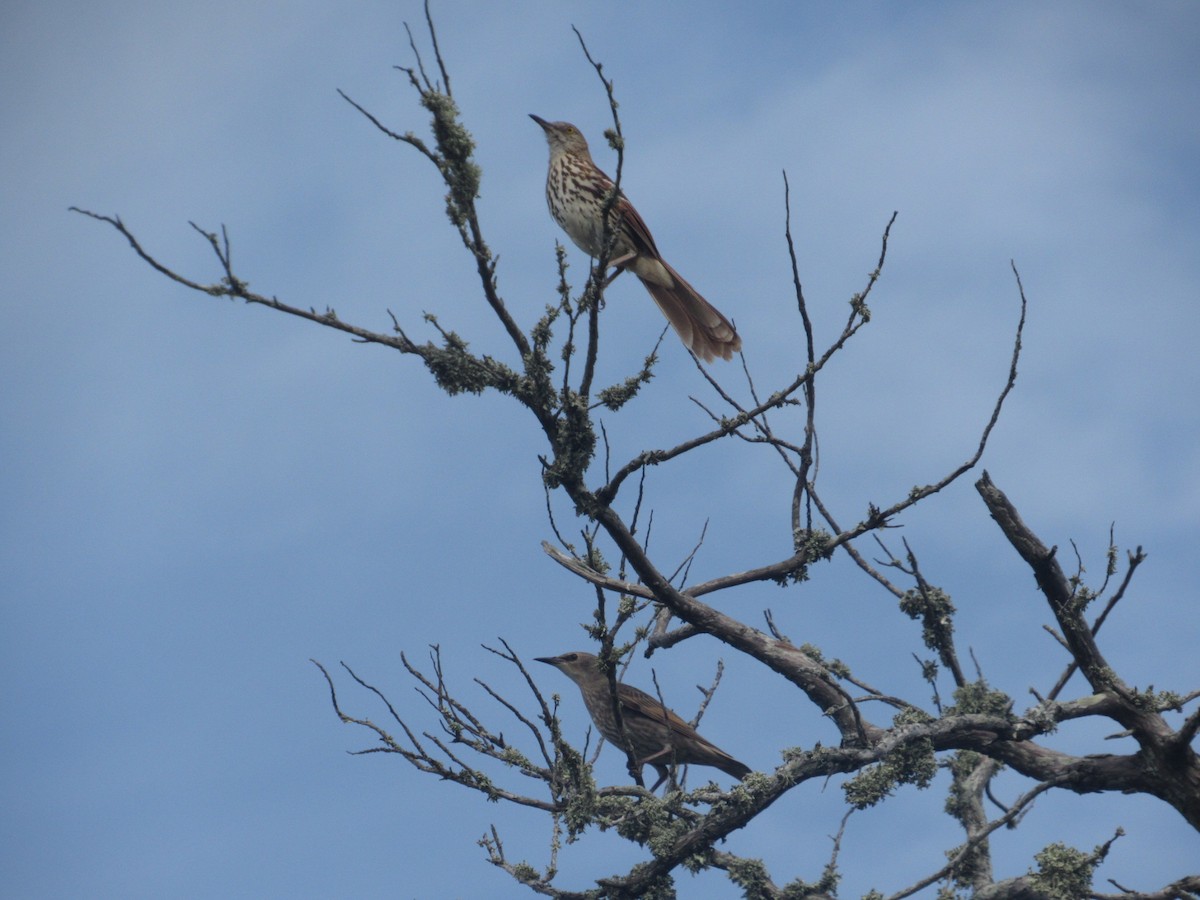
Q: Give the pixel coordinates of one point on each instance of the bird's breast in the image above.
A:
(576, 198)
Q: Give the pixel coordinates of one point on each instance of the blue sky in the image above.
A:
(197, 497)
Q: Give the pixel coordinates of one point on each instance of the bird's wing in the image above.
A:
(638, 703)
(635, 229)
(632, 223)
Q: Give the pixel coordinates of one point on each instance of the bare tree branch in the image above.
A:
(655, 609)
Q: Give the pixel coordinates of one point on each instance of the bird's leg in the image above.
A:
(619, 264)
(657, 754)
(662, 770)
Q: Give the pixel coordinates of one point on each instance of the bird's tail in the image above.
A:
(697, 322)
(733, 768)
(707, 754)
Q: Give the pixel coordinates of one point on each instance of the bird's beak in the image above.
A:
(548, 660)
(544, 125)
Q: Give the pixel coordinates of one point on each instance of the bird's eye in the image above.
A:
(570, 657)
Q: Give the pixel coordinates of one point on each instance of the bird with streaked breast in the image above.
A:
(651, 733)
(577, 193)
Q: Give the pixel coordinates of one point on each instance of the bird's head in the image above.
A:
(579, 666)
(563, 137)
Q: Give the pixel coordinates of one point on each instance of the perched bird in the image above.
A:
(576, 191)
(652, 733)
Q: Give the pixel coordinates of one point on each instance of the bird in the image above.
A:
(577, 191)
(649, 731)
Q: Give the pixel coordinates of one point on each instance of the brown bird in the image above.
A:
(576, 191)
(652, 733)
